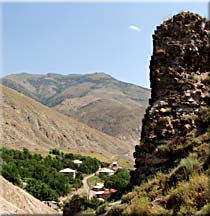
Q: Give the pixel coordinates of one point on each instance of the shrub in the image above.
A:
(189, 163)
(204, 114)
(139, 206)
(190, 196)
(182, 172)
(191, 141)
(55, 151)
(205, 210)
(164, 149)
(128, 197)
(101, 209)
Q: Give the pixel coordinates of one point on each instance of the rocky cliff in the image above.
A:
(179, 76)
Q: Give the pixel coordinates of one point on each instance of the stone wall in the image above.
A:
(178, 69)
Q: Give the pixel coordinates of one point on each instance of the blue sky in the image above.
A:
(85, 37)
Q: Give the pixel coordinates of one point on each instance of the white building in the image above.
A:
(98, 186)
(78, 162)
(106, 171)
(114, 164)
(67, 171)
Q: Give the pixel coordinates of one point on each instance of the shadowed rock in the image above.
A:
(178, 68)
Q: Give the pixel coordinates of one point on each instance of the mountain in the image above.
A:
(15, 200)
(172, 161)
(27, 123)
(98, 100)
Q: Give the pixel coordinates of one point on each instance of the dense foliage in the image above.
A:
(40, 175)
(119, 181)
(79, 204)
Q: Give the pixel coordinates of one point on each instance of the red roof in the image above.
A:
(113, 190)
(109, 191)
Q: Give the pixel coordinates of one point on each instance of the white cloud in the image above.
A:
(134, 27)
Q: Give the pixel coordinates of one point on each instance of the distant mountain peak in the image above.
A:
(96, 99)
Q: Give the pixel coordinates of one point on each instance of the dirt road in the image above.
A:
(85, 190)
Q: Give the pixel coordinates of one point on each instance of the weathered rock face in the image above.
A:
(179, 69)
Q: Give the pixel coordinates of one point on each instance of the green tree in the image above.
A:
(89, 165)
(10, 172)
(118, 181)
(26, 154)
(55, 151)
(41, 190)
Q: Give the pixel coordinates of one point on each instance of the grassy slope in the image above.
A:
(182, 190)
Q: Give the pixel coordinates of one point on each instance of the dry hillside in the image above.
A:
(98, 100)
(27, 123)
(15, 200)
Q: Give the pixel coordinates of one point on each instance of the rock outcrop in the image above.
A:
(179, 75)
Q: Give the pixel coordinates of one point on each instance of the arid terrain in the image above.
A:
(98, 100)
(27, 123)
(15, 200)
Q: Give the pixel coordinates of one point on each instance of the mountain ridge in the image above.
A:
(23, 77)
(94, 99)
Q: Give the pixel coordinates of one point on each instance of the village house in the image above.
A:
(103, 194)
(69, 171)
(78, 162)
(98, 187)
(105, 171)
(114, 165)
(99, 194)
